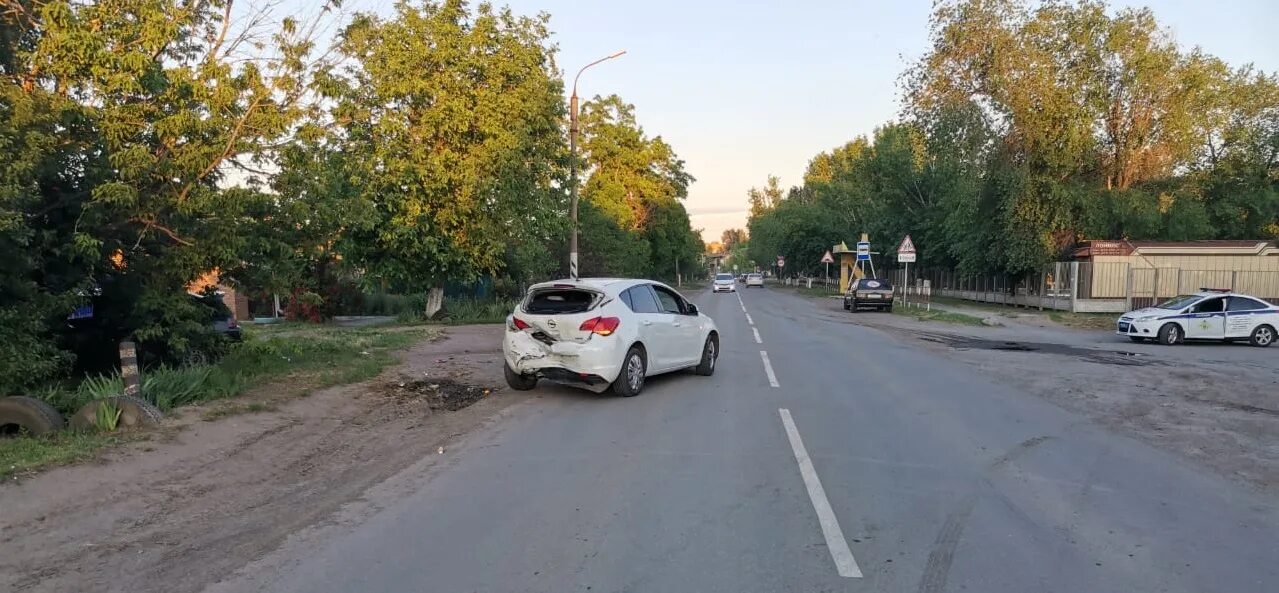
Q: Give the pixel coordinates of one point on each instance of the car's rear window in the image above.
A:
(874, 284)
(553, 301)
(754, 276)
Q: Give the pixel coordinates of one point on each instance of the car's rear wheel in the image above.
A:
(710, 352)
(517, 381)
(1170, 334)
(1262, 336)
(630, 381)
(845, 304)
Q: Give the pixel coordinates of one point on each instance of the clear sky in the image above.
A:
(746, 88)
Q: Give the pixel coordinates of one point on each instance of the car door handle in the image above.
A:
(675, 323)
(646, 322)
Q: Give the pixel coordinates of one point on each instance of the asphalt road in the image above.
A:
(915, 474)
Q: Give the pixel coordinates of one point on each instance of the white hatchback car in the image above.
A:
(1211, 314)
(597, 333)
(754, 280)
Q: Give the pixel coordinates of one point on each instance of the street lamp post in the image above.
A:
(572, 164)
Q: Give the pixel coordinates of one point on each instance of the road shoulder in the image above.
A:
(179, 513)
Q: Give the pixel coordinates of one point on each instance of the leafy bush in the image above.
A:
(27, 356)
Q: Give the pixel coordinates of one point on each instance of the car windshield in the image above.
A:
(1179, 302)
(723, 276)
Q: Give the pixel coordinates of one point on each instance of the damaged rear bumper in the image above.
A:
(592, 364)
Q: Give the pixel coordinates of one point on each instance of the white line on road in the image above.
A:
(749, 320)
(768, 369)
(845, 564)
(757, 340)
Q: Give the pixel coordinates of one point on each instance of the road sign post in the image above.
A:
(906, 255)
(828, 259)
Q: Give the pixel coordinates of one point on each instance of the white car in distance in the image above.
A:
(754, 280)
(601, 333)
(1210, 314)
(724, 283)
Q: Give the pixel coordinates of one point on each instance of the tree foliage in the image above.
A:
(635, 186)
(451, 124)
(149, 143)
(1031, 126)
(121, 123)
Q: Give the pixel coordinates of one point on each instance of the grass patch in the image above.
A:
(294, 360)
(24, 454)
(938, 315)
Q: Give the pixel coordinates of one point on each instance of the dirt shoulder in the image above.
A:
(184, 509)
(1213, 403)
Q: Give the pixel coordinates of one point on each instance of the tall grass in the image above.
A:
(458, 311)
(325, 355)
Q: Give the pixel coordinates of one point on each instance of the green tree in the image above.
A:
(638, 183)
(730, 238)
(451, 119)
(124, 123)
(766, 198)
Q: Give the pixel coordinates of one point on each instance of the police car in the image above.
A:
(1211, 314)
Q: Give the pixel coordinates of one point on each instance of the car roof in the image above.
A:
(610, 286)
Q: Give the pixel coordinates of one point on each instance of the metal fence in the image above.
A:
(1089, 287)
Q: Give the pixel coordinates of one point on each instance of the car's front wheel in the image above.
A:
(630, 381)
(517, 381)
(710, 352)
(1170, 334)
(1262, 336)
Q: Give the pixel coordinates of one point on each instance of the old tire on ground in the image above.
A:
(1170, 334)
(135, 413)
(630, 382)
(517, 381)
(710, 352)
(1262, 336)
(20, 414)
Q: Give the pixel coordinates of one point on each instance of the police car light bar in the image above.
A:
(1206, 289)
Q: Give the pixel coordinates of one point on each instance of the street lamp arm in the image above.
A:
(603, 59)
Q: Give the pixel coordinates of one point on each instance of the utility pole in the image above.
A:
(572, 164)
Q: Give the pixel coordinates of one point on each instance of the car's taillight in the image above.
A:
(516, 324)
(601, 325)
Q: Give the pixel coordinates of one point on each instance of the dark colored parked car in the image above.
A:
(222, 320)
(875, 293)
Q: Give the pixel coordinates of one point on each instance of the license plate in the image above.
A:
(872, 296)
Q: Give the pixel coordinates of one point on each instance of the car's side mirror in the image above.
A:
(691, 309)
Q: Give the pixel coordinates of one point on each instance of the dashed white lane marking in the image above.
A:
(749, 320)
(768, 369)
(757, 340)
(845, 564)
